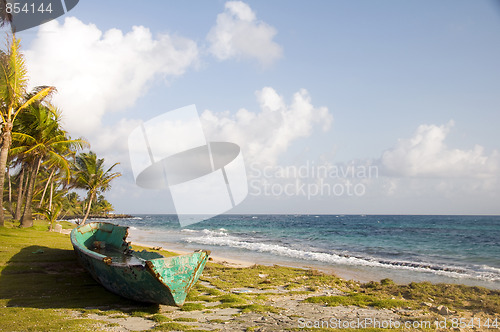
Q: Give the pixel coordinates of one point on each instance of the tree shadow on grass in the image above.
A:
(43, 277)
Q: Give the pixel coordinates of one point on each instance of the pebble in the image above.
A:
(442, 310)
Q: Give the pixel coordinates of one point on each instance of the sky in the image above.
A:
(339, 107)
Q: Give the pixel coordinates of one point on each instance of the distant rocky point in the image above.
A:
(106, 216)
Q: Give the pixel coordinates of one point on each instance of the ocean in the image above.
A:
(406, 248)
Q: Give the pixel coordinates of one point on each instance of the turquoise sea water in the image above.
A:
(459, 249)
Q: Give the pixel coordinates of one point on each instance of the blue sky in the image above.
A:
(410, 87)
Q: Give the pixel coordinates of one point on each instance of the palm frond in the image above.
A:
(18, 73)
(40, 94)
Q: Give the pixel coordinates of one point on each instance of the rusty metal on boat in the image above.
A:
(143, 276)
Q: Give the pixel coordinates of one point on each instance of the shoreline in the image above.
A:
(362, 274)
(227, 297)
(229, 262)
(354, 273)
(270, 245)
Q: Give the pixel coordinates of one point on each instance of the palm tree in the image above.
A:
(13, 100)
(39, 138)
(71, 203)
(91, 175)
(55, 179)
(102, 206)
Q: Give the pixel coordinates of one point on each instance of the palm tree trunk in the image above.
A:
(25, 190)
(27, 218)
(50, 195)
(45, 189)
(26, 181)
(10, 191)
(20, 191)
(4, 153)
(88, 209)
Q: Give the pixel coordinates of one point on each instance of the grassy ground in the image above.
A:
(41, 283)
(42, 288)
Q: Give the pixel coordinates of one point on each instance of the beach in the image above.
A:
(233, 261)
(43, 288)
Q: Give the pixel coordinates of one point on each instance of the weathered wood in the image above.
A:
(142, 276)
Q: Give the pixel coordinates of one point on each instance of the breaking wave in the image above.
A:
(220, 237)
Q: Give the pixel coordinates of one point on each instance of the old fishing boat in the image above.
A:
(143, 276)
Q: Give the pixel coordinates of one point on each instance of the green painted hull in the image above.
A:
(143, 276)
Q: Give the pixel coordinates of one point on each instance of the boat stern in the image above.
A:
(179, 273)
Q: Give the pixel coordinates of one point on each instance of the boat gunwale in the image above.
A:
(100, 256)
(145, 264)
(84, 249)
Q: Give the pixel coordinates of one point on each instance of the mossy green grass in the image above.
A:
(359, 300)
(42, 286)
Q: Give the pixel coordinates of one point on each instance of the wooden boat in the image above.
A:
(138, 275)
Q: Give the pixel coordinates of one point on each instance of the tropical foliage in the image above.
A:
(39, 139)
(40, 164)
(14, 99)
(91, 175)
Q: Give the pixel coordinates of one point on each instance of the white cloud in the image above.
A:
(112, 140)
(238, 34)
(426, 154)
(96, 72)
(265, 135)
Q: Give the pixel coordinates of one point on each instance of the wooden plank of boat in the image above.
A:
(143, 276)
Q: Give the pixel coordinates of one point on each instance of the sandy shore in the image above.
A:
(348, 274)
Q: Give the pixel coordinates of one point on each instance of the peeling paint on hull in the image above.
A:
(142, 276)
